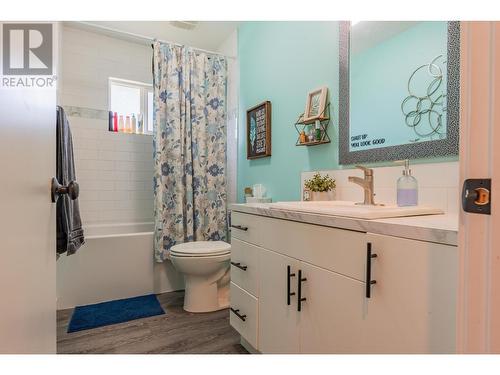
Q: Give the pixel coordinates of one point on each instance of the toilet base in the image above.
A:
(201, 297)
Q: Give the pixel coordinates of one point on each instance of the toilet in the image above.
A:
(205, 266)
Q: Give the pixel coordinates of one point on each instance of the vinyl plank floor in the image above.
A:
(176, 332)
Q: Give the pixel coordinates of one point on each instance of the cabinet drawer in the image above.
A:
(244, 266)
(243, 314)
(338, 250)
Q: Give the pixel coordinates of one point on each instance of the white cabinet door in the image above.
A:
(332, 318)
(413, 303)
(278, 321)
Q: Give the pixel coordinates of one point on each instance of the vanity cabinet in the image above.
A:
(413, 303)
(279, 318)
(401, 299)
(332, 316)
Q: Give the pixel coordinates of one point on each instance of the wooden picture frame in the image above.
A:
(259, 131)
(316, 105)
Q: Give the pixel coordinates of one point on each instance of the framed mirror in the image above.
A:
(399, 90)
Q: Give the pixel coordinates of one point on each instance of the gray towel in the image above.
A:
(69, 224)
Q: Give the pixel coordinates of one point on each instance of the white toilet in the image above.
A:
(205, 266)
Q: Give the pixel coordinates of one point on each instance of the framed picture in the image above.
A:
(316, 104)
(259, 131)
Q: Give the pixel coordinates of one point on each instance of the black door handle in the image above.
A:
(56, 189)
(369, 281)
(237, 313)
(238, 265)
(289, 275)
(240, 227)
(300, 299)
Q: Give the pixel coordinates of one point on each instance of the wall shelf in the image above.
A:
(314, 143)
(324, 121)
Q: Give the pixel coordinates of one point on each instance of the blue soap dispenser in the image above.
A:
(407, 187)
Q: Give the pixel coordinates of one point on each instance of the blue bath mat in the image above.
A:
(112, 312)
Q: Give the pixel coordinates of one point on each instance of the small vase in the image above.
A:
(323, 195)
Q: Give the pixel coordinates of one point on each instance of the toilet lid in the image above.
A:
(201, 248)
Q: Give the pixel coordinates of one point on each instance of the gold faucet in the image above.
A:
(366, 183)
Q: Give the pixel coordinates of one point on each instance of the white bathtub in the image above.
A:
(115, 262)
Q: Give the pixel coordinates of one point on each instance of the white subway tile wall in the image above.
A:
(437, 182)
(115, 185)
(114, 170)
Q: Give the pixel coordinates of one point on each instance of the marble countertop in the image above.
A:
(431, 228)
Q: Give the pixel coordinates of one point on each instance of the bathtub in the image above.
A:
(115, 262)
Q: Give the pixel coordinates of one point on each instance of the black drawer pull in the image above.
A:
(244, 268)
(237, 313)
(240, 227)
(369, 281)
(289, 275)
(300, 299)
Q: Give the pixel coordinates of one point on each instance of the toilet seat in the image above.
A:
(201, 249)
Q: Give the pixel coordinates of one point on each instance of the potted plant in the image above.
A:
(321, 188)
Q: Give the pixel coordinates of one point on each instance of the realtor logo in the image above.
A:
(27, 49)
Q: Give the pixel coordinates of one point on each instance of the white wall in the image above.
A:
(230, 48)
(114, 170)
(438, 184)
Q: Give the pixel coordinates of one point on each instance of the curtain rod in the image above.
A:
(147, 38)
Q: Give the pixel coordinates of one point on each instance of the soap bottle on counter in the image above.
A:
(407, 187)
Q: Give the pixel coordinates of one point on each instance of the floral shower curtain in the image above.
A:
(189, 143)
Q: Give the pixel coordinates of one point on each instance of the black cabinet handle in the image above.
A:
(244, 268)
(240, 227)
(369, 281)
(237, 313)
(300, 299)
(289, 275)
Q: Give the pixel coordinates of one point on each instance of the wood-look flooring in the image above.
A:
(175, 332)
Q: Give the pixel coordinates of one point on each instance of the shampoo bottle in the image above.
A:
(140, 124)
(407, 187)
(121, 124)
(134, 125)
(127, 125)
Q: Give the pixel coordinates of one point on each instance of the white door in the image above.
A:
(27, 219)
(332, 318)
(278, 321)
(412, 307)
(479, 236)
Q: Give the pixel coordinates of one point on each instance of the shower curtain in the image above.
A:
(189, 143)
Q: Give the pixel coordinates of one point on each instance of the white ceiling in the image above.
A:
(207, 35)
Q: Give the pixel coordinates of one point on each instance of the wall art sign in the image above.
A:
(259, 131)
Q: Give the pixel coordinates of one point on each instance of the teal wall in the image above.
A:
(282, 62)
(379, 77)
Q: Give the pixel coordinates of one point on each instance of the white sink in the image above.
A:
(351, 209)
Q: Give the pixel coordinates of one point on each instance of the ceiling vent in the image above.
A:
(186, 25)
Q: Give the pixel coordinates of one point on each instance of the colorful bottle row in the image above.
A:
(126, 124)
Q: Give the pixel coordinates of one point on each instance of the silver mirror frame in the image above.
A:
(445, 147)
